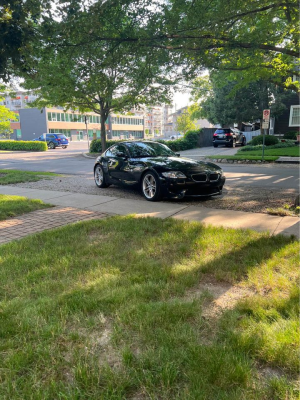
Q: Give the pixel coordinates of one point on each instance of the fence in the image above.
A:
(206, 136)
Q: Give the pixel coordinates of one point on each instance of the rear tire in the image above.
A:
(232, 144)
(99, 177)
(215, 145)
(64, 147)
(151, 187)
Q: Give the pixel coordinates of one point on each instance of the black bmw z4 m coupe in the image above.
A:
(157, 170)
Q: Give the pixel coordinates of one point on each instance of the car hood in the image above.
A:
(180, 163)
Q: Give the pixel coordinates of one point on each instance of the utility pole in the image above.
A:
(265, 126)
(87, 132)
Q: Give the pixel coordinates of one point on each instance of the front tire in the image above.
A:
(244, 142)
(51, 145)
(151, 187)
(99, 177)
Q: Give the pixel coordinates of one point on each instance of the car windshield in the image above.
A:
(154, 149)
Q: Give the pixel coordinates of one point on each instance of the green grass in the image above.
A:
(103, 310)
(243, 156)
(270, 155)
(11, 176)
(287, 151)
(12, 206)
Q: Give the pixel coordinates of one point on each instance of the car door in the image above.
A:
(117, 166)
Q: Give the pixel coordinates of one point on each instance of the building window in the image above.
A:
(57, 116)
(294, 116)
(49, 116)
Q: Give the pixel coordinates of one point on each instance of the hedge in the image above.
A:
(291, 135)
(21, 145)
(287, 143)
(189, 141)
(269, 140)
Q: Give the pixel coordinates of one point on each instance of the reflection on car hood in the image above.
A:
(180, 163)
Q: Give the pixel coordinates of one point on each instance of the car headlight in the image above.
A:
(221, 173)
(174, 175)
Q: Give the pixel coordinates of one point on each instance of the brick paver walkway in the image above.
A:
(38, 221)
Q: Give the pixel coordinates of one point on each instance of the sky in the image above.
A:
(181, 100)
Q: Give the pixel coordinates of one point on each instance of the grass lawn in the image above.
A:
(116, 309)
(287, 151)
(11, 206)
(11, 176)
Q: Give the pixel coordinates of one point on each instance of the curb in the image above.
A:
(88, 156)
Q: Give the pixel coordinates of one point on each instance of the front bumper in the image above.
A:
(186, 187)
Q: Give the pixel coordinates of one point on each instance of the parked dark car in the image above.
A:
(54, 140)
(228, 137)
(157, 171)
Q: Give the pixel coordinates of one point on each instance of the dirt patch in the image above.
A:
(224, 296)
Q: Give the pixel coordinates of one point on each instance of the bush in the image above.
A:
(291, 135)
(287, 143)
(269, 140)
(189, 141)
(21, 145)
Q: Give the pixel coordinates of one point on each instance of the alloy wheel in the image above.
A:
(99, 176)
(149, 186)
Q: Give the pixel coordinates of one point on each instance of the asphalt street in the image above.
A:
(71, 161)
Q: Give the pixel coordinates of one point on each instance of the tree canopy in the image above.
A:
(75, 72)
(185, 121)
(222, 100)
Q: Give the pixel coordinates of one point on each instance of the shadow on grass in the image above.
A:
(61, 288)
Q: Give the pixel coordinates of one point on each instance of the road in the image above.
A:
(71, 161)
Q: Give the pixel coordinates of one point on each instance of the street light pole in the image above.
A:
(87, 132)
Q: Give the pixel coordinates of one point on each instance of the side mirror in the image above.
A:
(121, 155)
(177, 154)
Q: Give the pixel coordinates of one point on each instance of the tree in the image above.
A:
(224, 102)
(185, 122)
(5, 117)
(75, 73)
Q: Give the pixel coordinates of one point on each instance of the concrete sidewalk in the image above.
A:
(113, 205)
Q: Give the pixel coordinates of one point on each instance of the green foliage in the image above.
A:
(252, 40)
(185, 121)
(5, 116)
(20, 145)
(223, 101)
(189, 141)
(269, 140)
(291, 135)
(279, 145)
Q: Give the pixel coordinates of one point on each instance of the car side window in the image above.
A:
(114, 150)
